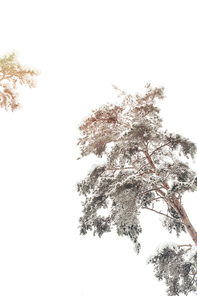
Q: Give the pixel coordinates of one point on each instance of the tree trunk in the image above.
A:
(185, 219)
(175, 203)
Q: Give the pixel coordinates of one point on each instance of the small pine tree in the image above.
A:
(11, 73)
(141, 171)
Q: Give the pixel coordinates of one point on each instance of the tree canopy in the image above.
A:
(11, 73)
(144, 169)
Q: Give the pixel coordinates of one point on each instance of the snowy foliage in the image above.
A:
(173, 264)
(11, 73)
(141, 169)
(159, 249)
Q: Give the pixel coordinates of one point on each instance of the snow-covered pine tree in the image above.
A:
(11, 73)
(142, 169)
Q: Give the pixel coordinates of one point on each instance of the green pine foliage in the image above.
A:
(141, 171)
(173, 265)
(11, 73)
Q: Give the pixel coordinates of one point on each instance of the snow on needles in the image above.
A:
(159, 249)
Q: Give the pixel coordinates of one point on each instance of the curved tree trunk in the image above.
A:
(176, 204)
(185, 219)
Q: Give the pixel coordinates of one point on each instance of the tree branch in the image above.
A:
(163, 215)
(117, 169)
(112, 121)
(101, 201)
(147, 172)
(161, 147)
(153, 189)
(192, 283)
(149, 201)
(148, 156)
(185, 246)
(4, 77)
(142, 167)
(190, 246)
(144, 144)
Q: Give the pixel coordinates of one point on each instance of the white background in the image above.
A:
(82, 47)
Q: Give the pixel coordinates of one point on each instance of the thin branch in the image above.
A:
(117, 169)
(147, 113)
(159, 195)
(101, 201)
(147, 172)
(140, 150)
(160, 147)
(185, 246)
(165, 185)
(108, 121)
(153, 189)
(127, 168)
(192, 283)
(142, 167)
(125, 124)
(161, 192)
(149, 201)
(190, 246)
(148, 156)
(164, 215)
(4, 77)
(99, 174)
(144, 143)
(102, 142)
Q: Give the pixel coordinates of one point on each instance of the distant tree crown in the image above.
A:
(11, 73)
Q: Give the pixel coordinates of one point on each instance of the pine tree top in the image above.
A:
(144, 168)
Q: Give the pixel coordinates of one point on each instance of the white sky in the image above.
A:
(82, 47)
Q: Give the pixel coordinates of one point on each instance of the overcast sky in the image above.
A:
(82, 48)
